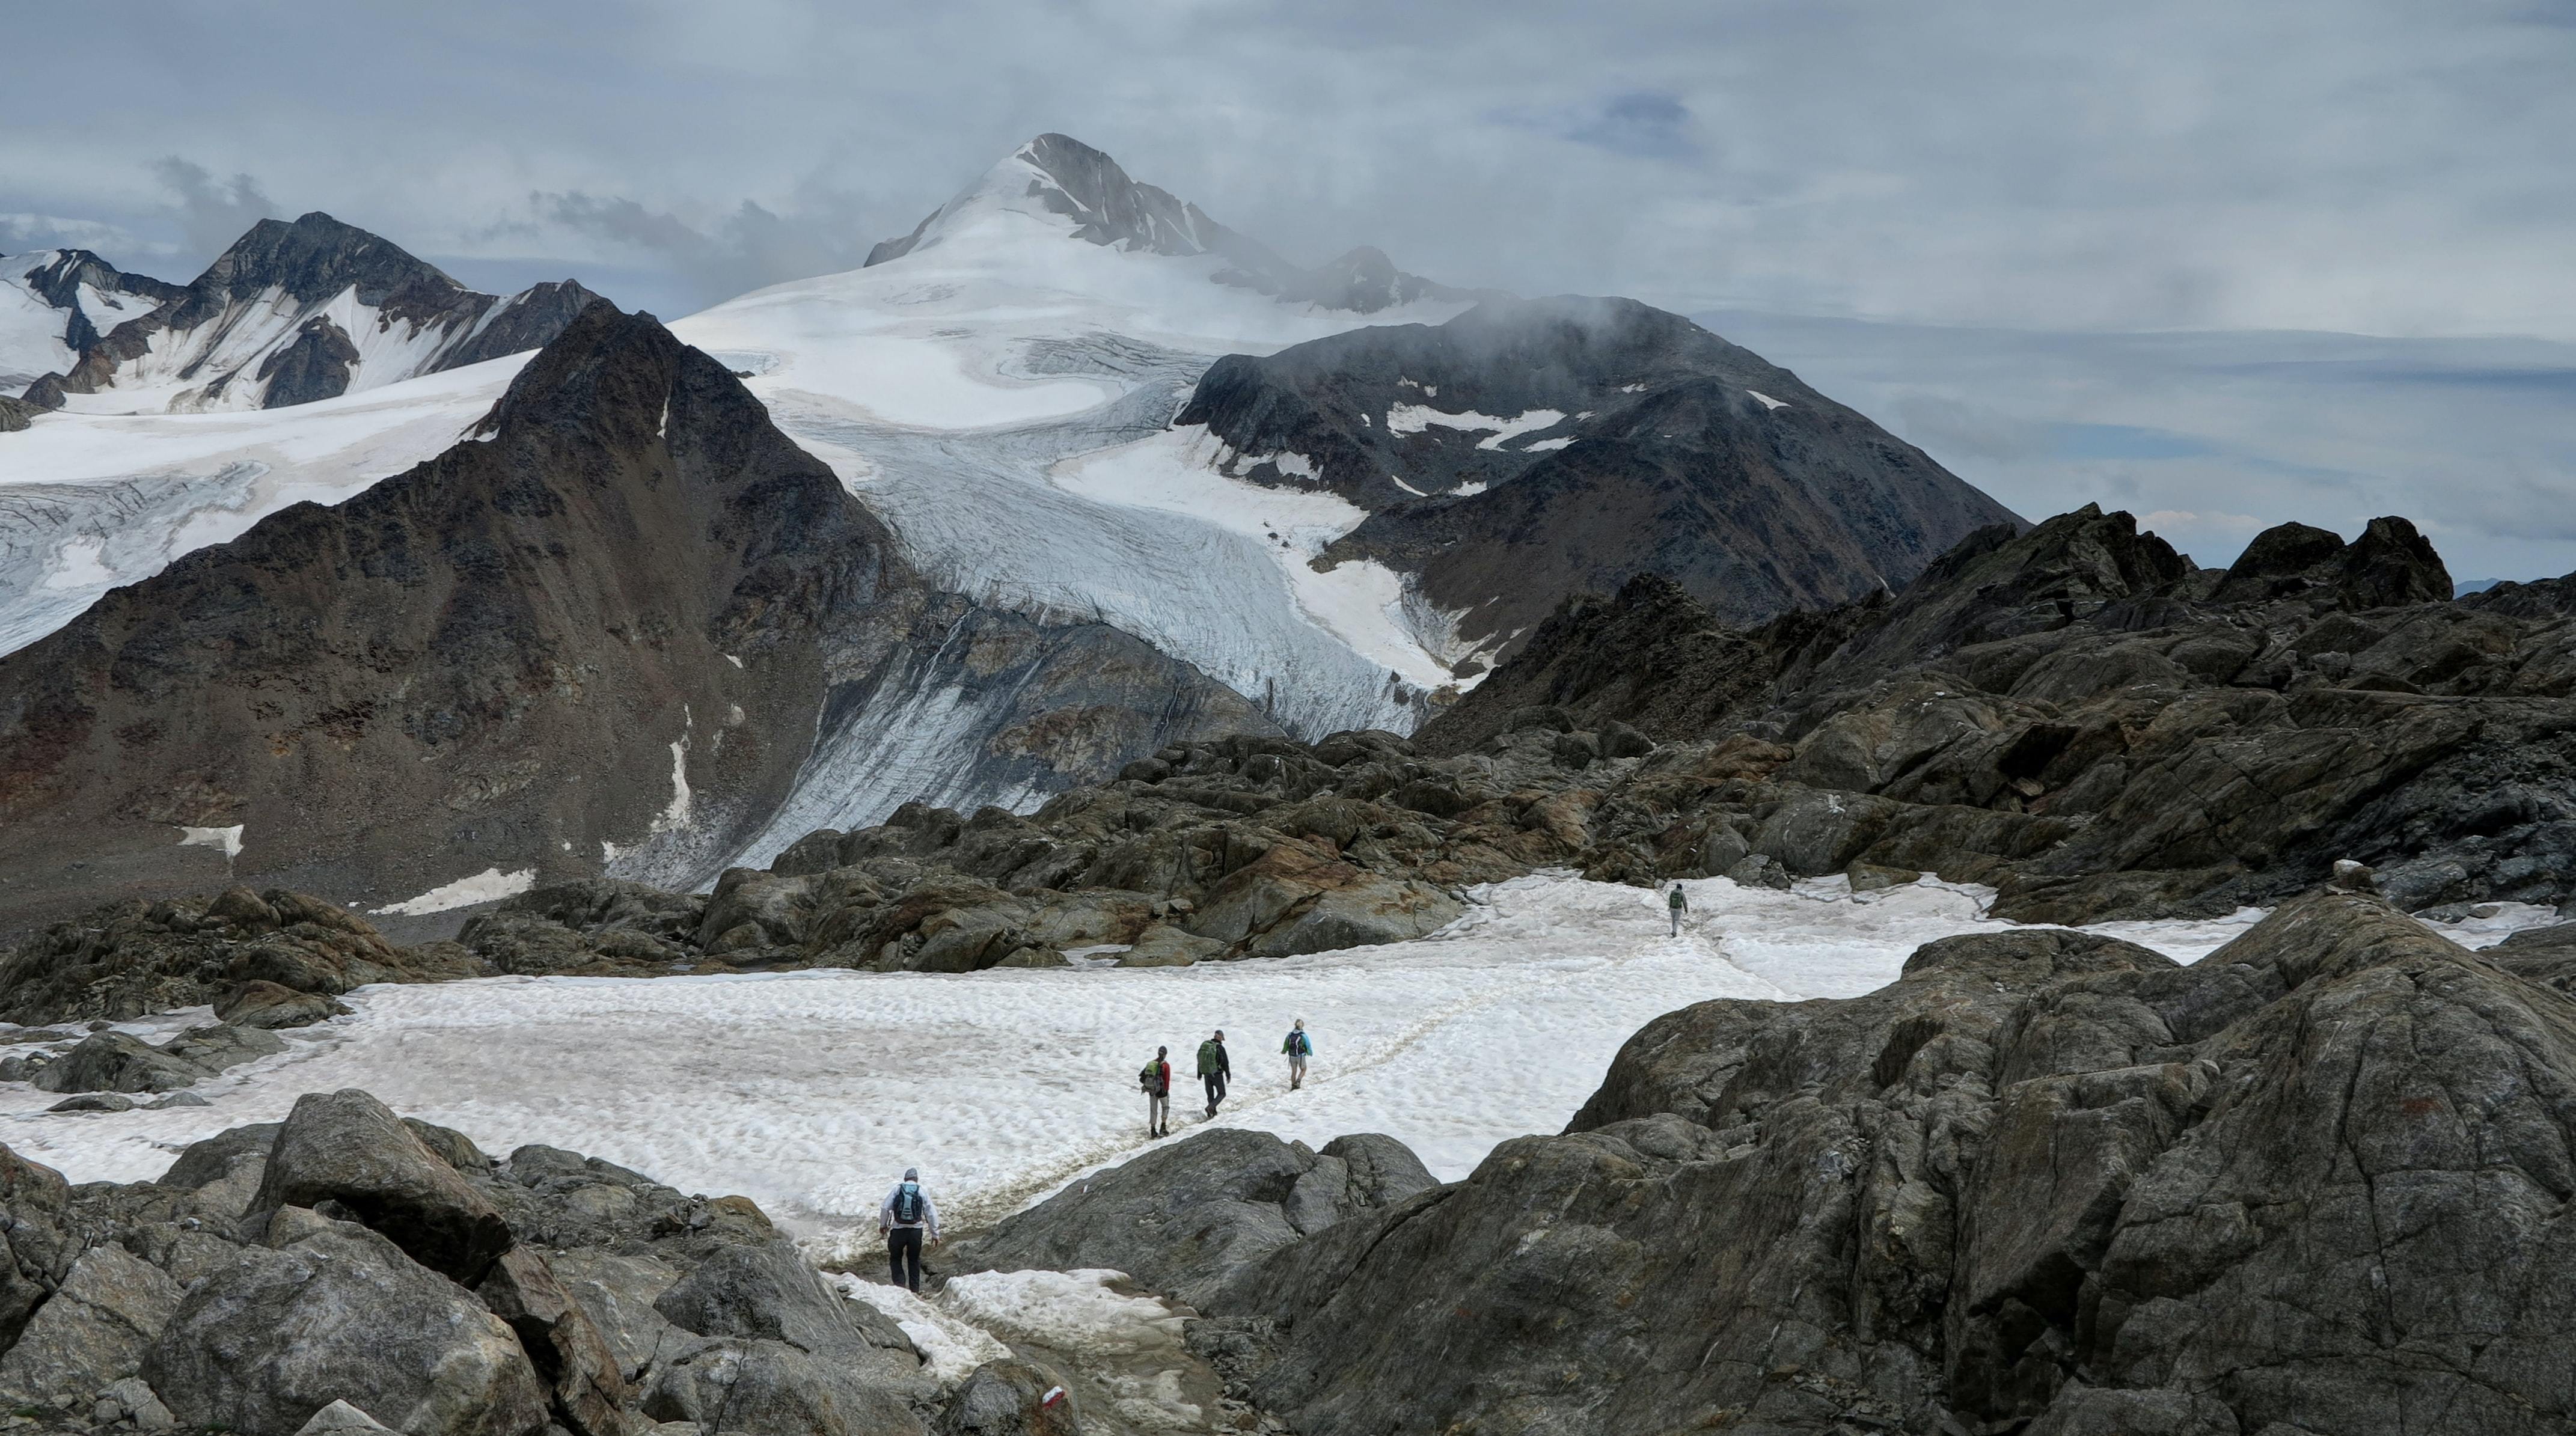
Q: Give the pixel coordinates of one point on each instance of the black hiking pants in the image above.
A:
(1215, 1089)
(903, 1254)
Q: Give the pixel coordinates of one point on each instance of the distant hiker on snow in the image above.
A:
(1156, 1079)
(1677, 905)
(905, 1214)
(1214, 1069)
(1298, 1050)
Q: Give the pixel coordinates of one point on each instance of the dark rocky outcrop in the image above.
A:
(2118, 733)
(116, 1062)
(2046, 1182)
(273, 959)
(1636, 442)
(613, 1301)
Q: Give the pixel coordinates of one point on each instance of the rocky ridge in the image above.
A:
(1530, 450)
(291, 313)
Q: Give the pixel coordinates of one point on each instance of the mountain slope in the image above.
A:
(297, 312)
(1528, 450)
(609, 628)
(55, 303)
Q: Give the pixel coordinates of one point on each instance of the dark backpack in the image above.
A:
(907, 1203)
(1151, 1079)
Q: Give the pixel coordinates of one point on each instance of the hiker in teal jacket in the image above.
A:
(1298, 1049)
(1214, 1069)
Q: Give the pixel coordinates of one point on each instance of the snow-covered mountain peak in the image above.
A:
(1058, 184)
(1067, 186)
(292, 312)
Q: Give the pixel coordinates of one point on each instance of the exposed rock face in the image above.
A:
(2045, 1181)
(1063, 176)
(269, 323)
(1529, 450)
(2111, 727)
(613, 624)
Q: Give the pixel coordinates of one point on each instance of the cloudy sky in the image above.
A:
(2221, 263)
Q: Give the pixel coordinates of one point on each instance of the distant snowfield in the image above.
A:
(90, 501)
(810, 1092)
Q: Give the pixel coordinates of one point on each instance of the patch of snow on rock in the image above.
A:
(489, 885)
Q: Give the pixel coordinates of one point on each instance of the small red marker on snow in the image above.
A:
(1054, 1395)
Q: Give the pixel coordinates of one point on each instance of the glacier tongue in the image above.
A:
(976, 511)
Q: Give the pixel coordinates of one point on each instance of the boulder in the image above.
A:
(1871, 877)
(1367, 912)
(36, 1251)
(617, 1291)
(335, 1312)
(769, 1387)
(567, 1350)
(1818, 831)
(767, 1291)
(1163, 945)
(118, 1062)
(212, 1158)
(95, 1102)
(269, 1005)
(95, 1329)
(347, 1147)
(1759, 870)
(1011, 1398)
(1186, 1217)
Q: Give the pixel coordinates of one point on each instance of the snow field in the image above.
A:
(811, 1091)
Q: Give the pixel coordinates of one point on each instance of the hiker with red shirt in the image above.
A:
(1156, 1079)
